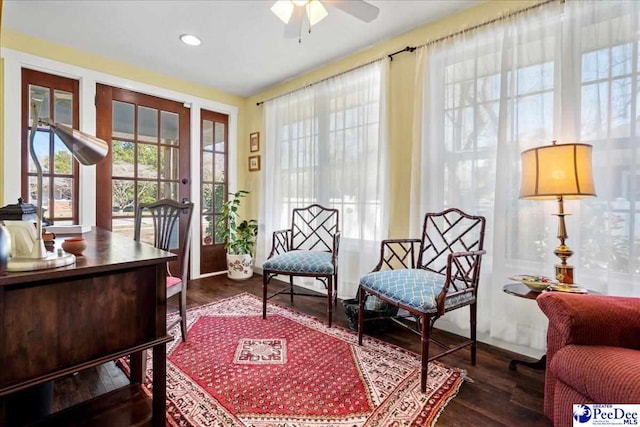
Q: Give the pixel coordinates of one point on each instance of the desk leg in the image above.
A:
(159, 385)
(539, 364)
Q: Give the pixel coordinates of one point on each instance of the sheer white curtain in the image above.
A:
(562, 71)
(327, 144)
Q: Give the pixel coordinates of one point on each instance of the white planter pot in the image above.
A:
(239, 267)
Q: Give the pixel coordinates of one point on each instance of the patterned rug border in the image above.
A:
(427, 416)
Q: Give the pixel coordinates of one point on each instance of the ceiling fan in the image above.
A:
(296, 13)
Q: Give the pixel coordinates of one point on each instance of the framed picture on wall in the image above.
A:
(254, 163)
(254, 142)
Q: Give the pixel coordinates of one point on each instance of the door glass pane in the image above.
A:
(169, 163)
(62, 159)
(33, 192)
(219, 197)
(122, 154)
(124, 227)
(40, 95)
(220, 167)
(219, 229)
(63, 197)
(147, 161)
(169, 190)
(207, 166)
(207, 230)
(220, 137)
(207, 135)
(123, 120)
(147, 124)
(169, 128)
(122, 196)
(41, 147)
(63, 107)
(207, 197)
(147, 191)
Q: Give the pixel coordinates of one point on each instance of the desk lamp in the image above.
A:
(558, 171)
(88, 150)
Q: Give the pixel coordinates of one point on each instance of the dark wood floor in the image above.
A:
(495, 395)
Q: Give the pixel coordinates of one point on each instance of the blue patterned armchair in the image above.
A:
(309, 248)
(444, 277)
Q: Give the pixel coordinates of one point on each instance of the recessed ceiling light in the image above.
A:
(190, 39)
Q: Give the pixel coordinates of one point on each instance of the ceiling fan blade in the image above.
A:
(358, 8)
(294, 26)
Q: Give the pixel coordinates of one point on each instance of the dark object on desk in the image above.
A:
(593, 352)
(21, 211)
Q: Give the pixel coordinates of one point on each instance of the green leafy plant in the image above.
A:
(239, 236)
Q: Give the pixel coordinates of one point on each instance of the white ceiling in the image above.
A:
(244, 50)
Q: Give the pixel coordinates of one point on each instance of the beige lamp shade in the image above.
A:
(557, 170)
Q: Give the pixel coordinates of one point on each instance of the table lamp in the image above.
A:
(88, 150)
(558, 171)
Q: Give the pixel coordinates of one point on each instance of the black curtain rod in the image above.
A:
(406, 49)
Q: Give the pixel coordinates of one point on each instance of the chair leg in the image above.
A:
(472, 319)
(361, 296)
(335, 290)
(329, 299)
(291, 289)
(424, 336)
(183, 313)
(265, 281)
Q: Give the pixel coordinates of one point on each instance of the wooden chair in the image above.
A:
(165, 215)
(309, 248)
(444, 278)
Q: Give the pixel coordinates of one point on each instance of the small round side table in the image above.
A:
(522, 291)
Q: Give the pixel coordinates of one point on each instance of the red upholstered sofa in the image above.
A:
(593, 352)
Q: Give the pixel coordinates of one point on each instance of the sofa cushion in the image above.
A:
(604, 374)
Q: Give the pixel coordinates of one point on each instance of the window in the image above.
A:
(326, 144)
(55, 97)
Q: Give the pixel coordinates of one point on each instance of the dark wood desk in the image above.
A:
(110, 304)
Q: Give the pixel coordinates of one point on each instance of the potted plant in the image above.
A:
(239, 238)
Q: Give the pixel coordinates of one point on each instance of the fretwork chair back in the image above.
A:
(164, 216)
(309, 248)
(444, 276)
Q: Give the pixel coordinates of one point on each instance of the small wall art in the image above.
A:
(254, 142)
(254, 163)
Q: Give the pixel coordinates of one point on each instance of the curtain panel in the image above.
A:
(566, 72)
(327, 144)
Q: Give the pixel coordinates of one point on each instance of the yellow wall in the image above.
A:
(400, 103)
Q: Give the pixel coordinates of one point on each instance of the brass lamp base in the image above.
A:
(564, 274)
(52, 260)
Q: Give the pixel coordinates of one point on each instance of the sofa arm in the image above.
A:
(592, 319)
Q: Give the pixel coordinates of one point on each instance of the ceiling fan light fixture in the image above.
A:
(190, 39)
(316, 12)
(300, 3)
(283, 9)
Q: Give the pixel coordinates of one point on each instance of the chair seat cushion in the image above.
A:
(173, 281)
(413, 288)
(311, 262)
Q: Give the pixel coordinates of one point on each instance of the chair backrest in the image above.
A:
(313, 228)
(452, 231)
(167, 235)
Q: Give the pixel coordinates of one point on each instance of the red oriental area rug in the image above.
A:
(237, 369)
